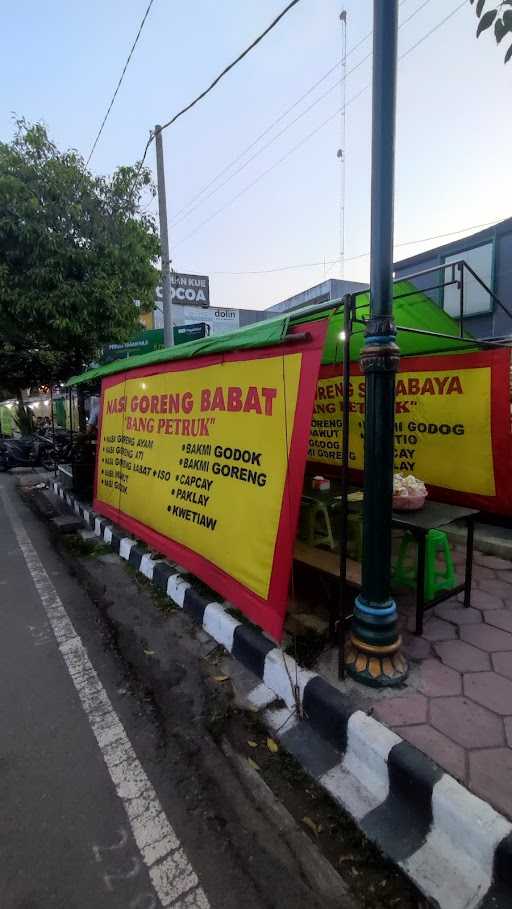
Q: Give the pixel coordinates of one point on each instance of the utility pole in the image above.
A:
(375, 658)
(164, 240)
(342, 149)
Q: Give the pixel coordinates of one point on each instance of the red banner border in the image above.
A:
(499, 361)
(269, 613)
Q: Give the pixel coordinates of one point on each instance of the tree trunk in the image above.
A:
(24, 416)
(82, 422)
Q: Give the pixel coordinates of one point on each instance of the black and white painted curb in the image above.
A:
(455, 847)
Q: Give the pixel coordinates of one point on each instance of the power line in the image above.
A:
(245, 164)
(434, 29)
(189, 207)
(268, 271)
(210, 87)
(313, 132)
(231, 65)
(269, 169)
(118, 86)
(271, 125)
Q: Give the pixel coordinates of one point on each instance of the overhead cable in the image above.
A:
(212, 85)
(322, 262)
(230, 65)
(312, 133)
(190, 207)
(118, 86)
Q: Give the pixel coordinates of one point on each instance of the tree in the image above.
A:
(500, 17)
(76, 252)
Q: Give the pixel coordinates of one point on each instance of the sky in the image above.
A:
(271, 228)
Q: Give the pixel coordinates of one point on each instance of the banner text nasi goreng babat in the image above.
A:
(200, 456)
(204, 461)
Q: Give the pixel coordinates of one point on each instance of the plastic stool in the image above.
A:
(405, 572)
(315, 523)
(355, 536)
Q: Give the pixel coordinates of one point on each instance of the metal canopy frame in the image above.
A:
(349, 305)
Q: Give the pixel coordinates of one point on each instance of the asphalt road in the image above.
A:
(104, 804)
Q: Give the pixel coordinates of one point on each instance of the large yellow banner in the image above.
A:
(200, 456)
(442, 429)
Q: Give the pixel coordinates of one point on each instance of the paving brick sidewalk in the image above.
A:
(456, 706)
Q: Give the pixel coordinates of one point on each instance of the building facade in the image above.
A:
(489, 254)
(332, 289)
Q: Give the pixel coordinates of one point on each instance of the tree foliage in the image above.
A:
(500, 17)
(76, 252)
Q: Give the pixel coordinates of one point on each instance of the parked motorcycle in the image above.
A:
(60, 443)
(28, 451)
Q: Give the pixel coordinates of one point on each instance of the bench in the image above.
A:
(326, 561)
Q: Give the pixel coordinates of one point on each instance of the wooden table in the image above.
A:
(419, 523)
(327, 561)
(430, 517)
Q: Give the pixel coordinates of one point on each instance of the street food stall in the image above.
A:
(208, 452)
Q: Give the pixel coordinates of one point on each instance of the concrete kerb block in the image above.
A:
(220, 625)
(457, 864)
(137, 553)
(360, 783)
(125, 547)
(251, 648)
(283, 675)
(147, 566)
(502, 883)
(281, 721)
(328, 711)
(177, 588)
(368, 746)
(162, 571)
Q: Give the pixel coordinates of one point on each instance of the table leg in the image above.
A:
(469, 562)
(342, 632)
(420, 584)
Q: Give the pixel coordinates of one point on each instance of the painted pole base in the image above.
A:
(377, 671)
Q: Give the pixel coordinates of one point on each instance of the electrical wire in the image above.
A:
(230, 65)
(118, 86)
(190, 207)
(299, 265)
(271, 126)
(268, 170)
(242, 167)
(312, 133)
(434, 29)
(209, 89)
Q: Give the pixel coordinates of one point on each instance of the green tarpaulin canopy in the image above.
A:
(414, 310)
(411, 309)
(262, 334)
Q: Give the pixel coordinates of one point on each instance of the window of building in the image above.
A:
(476, 299)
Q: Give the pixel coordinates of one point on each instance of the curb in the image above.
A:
(455, 847)
(487, 544)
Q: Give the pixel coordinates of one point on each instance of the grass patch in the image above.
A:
(160, 599)
(87, 549)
